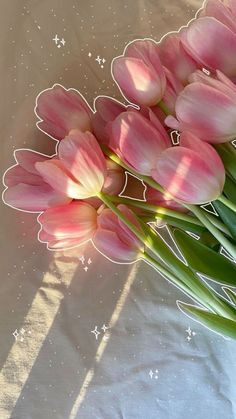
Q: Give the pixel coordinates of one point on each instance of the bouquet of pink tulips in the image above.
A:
(175, 135)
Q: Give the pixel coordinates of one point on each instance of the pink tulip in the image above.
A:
(60, 110)
(139, 73)
(212, 43)
(173, 88)
(207, 108)
(80, 170)
(162, 200)
(26, 189)
(114, 182)
(174, 57)
(107, 109)
(137, 141)
(192, 172)
(223, 12)
(114, 239)
(67, 226)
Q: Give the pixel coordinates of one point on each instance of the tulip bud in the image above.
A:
(114, 240)
(192, 172)
(138, 141)
(67, 226)
(60, 110)
(139, 73)
(207, 108)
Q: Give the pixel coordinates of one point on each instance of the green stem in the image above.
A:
(156, 209)
(164, 108)
(151, 182)
(213, 230)
(227, 202)
(169, 213)
(162, 251)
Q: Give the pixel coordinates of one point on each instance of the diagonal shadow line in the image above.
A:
(101, 349)
(84, 290)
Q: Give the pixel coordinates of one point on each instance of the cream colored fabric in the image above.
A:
(147, 364)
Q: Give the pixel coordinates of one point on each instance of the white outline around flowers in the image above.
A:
(126, 172)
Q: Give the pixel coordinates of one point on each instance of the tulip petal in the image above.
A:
(207, 112)
(148, 51)
(56, 175)
(213, 43)
(216, 9)
(207, 153)
(108, 243)
(137, 81)
(139, 142)
(33, 198)
(16, 174)
(83, 157)
(76, 220)
(186, 176)
(28, 158)
(174, 57)
(62, 110)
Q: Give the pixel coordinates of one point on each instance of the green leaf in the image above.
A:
(227, 215)
(227, 154)
(215, 322)
(204, 260)
(230, 294)
(230, 189)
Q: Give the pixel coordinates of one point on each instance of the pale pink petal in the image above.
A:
(76, 220)
(209, 113)
(172, 122)
(139, 83)
(115, 179)
(62, 110)
(148, 51)
(175, 58)
(213, 43)
(216, 9)
(83, 157)
(33, 198)
(16, 174)
(124, 233)
(108, 107)
(28, 158)
(187, 176)
(107, 220)
(139, 142)
(109, 244)
(55, 174)
(61, 244)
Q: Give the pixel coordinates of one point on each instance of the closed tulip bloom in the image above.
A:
(174, 57)
(139, 73)
(212, 43)
(114, 240)
(80, 170)
(207, 107)
(60, 110)
(225, 12)
(138, 141)
(26, 189)
(192, 172)
(67, 226)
